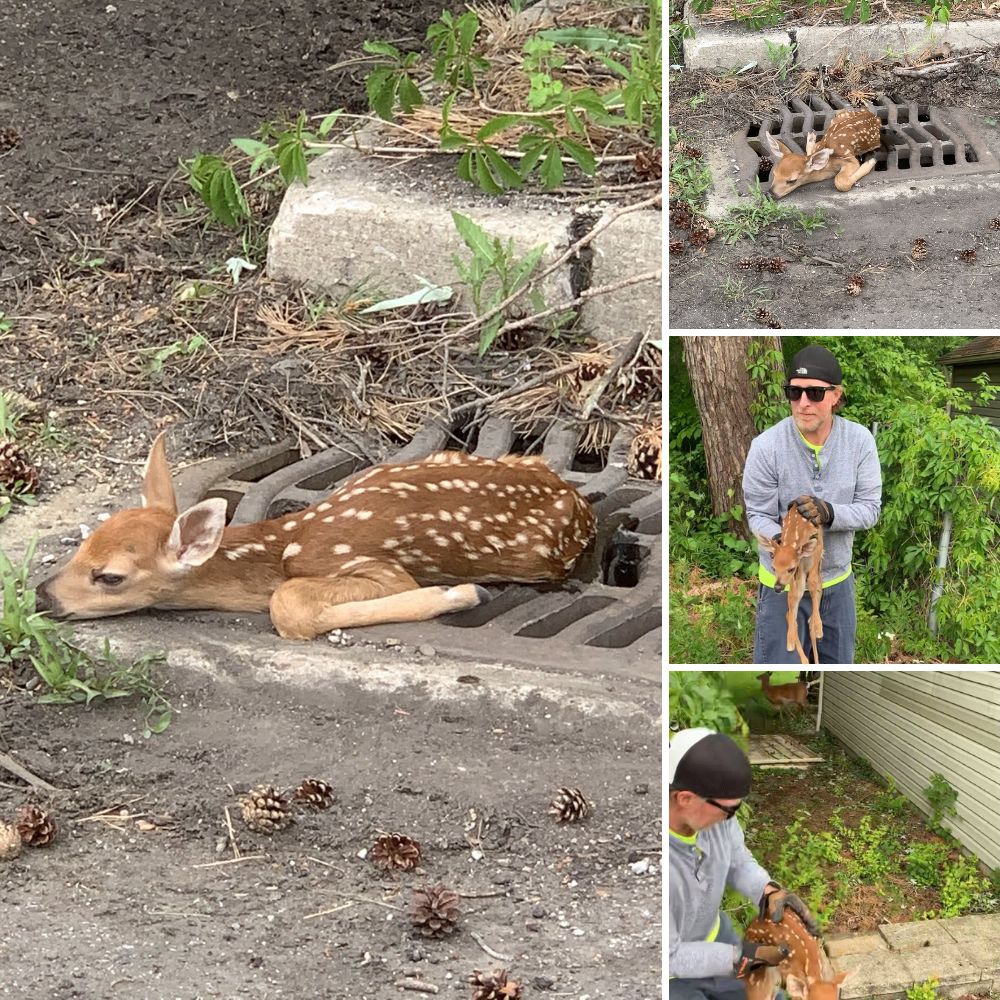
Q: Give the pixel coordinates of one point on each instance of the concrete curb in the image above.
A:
(961, 953)
(367, 219)
(731, 45)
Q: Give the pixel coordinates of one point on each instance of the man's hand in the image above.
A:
(754, 956)
(819, 512)
(773, 903)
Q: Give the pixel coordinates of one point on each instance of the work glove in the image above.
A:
(755, 956)
(773, 903)
(819, 512)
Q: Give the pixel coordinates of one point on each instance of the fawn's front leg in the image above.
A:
(370, 593)
(851, 172)
(763, 983)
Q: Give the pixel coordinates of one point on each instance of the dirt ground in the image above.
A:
(869, 231)
(102, 101)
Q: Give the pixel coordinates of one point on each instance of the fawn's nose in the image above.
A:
(779, 588)
(44, 601)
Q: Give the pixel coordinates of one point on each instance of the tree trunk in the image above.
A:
(717, 367)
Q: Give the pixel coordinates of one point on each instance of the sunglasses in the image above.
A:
(814, 392)
(730, 811)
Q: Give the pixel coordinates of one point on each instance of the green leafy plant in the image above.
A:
(749, 220)
(6, 324)
(70, 673)
(390, 84)
(941, 797)
(493, 273)
(874, 849)
(214, 179)
(758, 14)
(700, 698)
(451, 41)
(782, 58)
(184, 348)
(690, 177)
(540, 59)
(964, 889)
(927, 990)
(924, 863)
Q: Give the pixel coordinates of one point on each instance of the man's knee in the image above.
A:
(715, 988)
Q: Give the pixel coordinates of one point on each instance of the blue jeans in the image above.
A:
(840, 624)
(714, 987)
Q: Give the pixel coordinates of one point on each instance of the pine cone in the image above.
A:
(393, 850)
(569, 806)
(16, 472)
(776, 264)
(35, 826)
(746, 263)
(10, 842)
(648, 165)
(434, 910)
(765, 317)
(765, 164)
(699, 239)
(968, 256)
(919, 248)
(10, 138)
(995, 223)
(681, 217)
(266, 809)
(683, 149)
(645, 459)
(494, 986)
(677, 247)
(312, 793)
(855, 285)
(589, 370)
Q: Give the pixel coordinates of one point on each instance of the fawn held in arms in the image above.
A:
(802, 970)
(395, 543)
(798, 559)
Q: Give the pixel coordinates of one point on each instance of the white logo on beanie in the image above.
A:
(801, 371)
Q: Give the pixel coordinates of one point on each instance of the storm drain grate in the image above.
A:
(607, 617)
(918, 140)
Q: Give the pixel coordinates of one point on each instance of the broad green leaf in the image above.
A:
(475, 237)
(551, 171)
(504, 173)
(584, 158)
(252, 147)
(484, 178)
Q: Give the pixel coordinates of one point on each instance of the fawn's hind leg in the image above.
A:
(851, 172)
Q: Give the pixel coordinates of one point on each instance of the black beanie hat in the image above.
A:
(816, 362)
(712, 766)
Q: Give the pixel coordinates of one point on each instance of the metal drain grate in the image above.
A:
(918, 140)
(587, 624)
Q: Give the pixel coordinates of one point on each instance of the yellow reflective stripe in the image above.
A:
(715, 929)
(767, 578)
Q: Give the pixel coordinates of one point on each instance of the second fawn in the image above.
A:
(797, 562)
(780, 695)
(395, 543)
(802, 971)
(835, 155)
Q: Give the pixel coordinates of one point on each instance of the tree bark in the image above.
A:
(717, 367)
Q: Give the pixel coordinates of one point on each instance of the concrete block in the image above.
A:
(823, 44)
(919, 934)
(631, 245)
(362, 219)
(838, 945)
(878, 974)
(731, 47)
(985, 925)
(943, 962)
(983, 952)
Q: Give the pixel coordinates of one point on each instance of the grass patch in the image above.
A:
(690, 178)
(748, 221)
(71, 674)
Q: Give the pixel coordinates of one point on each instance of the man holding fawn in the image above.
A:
(827, 467)
(708, 778)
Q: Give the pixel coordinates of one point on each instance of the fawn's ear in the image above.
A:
(796, 987)
(810, 143)
(776, 147)
(157, 486)
(817, 161)
(808, 548)
(766, 543)
(196, 534)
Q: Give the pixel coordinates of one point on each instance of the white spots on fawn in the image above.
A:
(292, 549)
(354, 563)
(324, 506)
(559, 505)
(328, 519)
(475, 525)
(521, 538)
(341, 549)
(390, 543)
(501, 518)
(460, 517)
(444, 515)
(402, 522)
(308, 515)
(495, 541)
(542, 550)
(364, 515)
(427, 516)
(441, 541)
(458, 536)
(289, 526)
(350, 512)
(270, 538)
(532, 520)
(403, 486)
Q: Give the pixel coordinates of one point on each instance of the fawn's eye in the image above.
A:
(108, 579)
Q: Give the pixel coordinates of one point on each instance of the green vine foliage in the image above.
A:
(699, 698)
